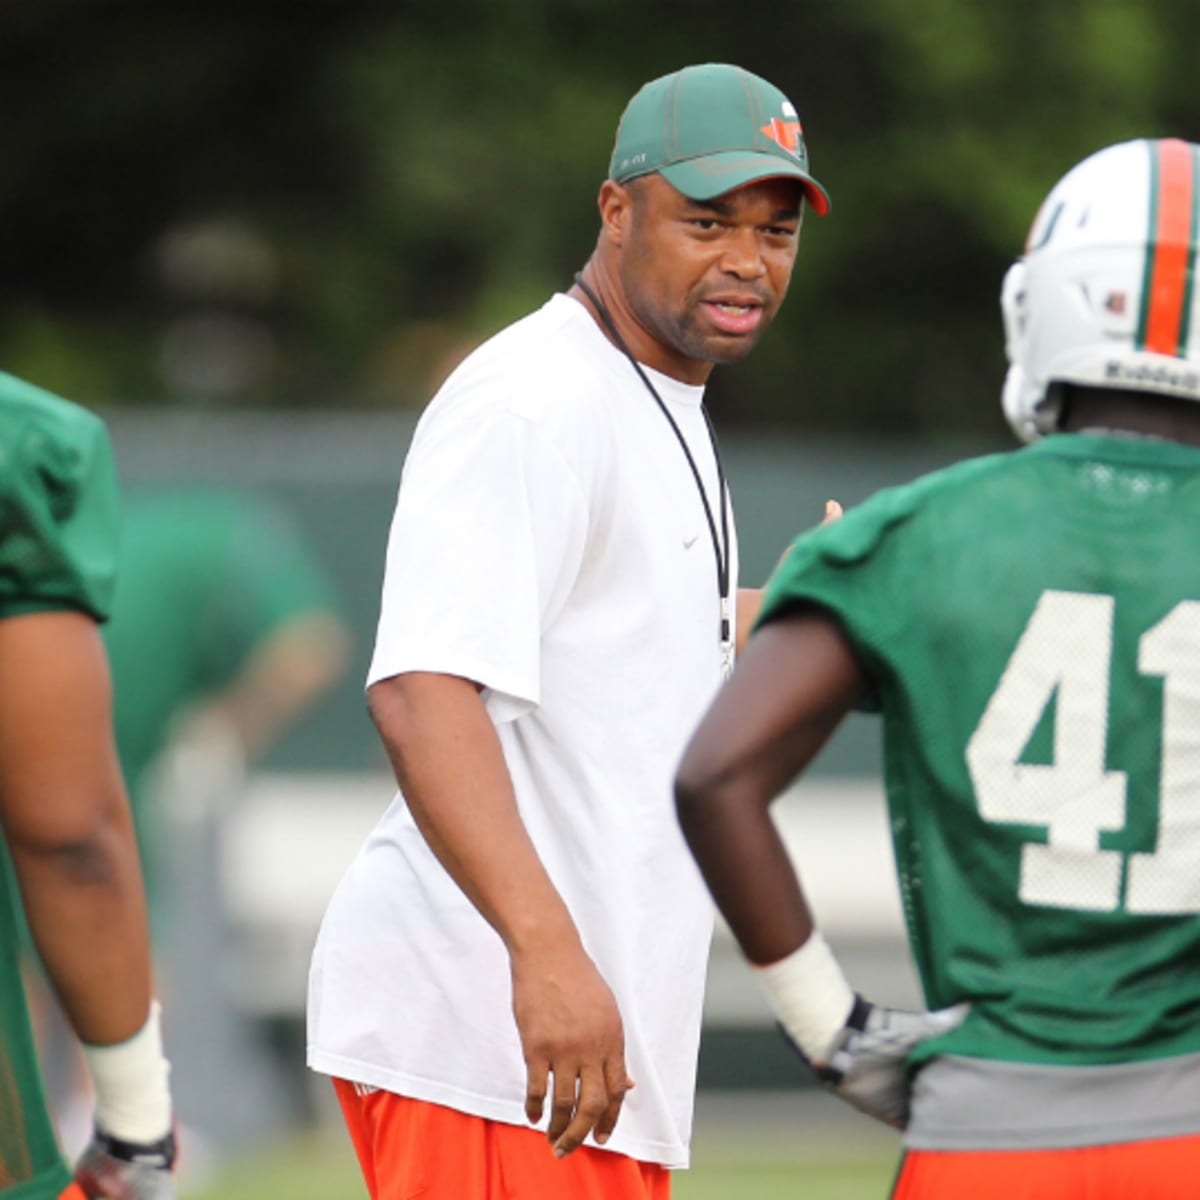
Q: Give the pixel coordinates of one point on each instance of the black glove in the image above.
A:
(117, 1170)
(866, 1066)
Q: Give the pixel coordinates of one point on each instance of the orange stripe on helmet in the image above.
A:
(1170, 244)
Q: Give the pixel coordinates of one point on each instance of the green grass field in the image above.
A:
(756, 1149)
(311, 1170)
(819, 1179)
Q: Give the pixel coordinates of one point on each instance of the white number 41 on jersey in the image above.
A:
(1067, 647)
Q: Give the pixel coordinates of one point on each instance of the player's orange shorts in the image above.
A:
(1159, 1169)
(409, 1148)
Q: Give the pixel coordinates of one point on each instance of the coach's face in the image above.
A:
(702, 280)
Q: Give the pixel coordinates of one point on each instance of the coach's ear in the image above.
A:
(616, 211)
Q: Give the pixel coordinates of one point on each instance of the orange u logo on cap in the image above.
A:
(786, 133)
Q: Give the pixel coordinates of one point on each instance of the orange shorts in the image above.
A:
(73, 1192)
(409, 1148)
(1159, 1169)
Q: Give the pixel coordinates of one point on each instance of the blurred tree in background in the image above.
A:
(327, 202)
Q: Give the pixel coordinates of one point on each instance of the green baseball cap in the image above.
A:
(709, 129)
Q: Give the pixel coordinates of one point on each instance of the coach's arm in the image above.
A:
(450, 767)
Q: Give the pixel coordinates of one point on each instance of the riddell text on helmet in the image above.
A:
(1179, 379)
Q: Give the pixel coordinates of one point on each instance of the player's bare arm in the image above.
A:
(283, 678)
(795, 682)
(67, 825)
(447, 758)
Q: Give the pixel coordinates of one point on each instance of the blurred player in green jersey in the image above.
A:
(224, 619)
(1028, 625)
(67, 851)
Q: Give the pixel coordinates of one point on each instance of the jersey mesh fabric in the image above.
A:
(1029, 626)
(57, 551)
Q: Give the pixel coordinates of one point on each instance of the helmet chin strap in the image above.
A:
(1018, 399)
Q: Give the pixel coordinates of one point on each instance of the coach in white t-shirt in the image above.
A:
(522, 940)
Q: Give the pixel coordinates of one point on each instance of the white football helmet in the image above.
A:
(1105, 294)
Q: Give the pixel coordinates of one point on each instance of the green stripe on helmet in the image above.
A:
(1139, 341)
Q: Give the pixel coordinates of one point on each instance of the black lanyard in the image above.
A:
(720, 543)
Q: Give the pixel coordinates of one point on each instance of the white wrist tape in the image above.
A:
(133, 1100)
(810, 996)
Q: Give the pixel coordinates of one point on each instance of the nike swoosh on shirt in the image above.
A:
(689, 542)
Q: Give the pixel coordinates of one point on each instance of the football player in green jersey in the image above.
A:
(1028, 626)
(67, 852)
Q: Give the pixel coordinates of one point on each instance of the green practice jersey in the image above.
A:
(1031, 625)
(58, 538)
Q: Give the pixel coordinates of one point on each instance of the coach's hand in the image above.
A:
(867, 1064)
(117, 1170)
(833, 512)
(570, 1030)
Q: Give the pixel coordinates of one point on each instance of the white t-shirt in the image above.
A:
(550, 543)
